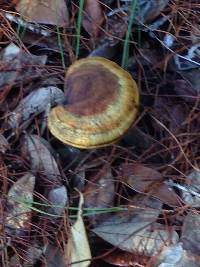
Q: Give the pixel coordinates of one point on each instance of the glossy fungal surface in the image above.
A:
(101, 103)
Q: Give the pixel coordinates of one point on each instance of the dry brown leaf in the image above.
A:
(44, 11)
(93, 17)
(190, 236)
(20, 198)
(40, 158)
(36, 102)
(124, 259)
(78, 249)
(133, 232)
(150, 182)
(150, 9)
(17, 66)
(100, 192)
(176, 256)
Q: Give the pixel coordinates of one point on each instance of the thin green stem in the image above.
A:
(86, 211)
(60, 47)
(78, 27)
(125, 55)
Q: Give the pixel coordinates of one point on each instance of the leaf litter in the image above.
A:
(19, 202)
(134, 232)
(141, 195)
(45, 11)
(78, 240)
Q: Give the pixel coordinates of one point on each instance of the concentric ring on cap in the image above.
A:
(101, 103)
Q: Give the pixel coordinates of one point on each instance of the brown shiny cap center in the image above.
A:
(90, 89)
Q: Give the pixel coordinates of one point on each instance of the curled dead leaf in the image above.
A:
(40, 158)
(19, 202)
(148, 181)
(78, 249)
(36, 102)
(93, 17)
(133, 232)
(44, 11)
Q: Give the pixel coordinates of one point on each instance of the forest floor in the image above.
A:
(134, 202)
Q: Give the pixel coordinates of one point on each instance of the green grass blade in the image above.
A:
(78, 27)
(60, 47)
(125, 55)
(86, 211)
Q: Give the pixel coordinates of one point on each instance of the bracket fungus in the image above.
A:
(101, 103)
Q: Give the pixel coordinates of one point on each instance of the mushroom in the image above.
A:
(101, 103)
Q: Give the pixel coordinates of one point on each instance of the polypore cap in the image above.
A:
(101, 103)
